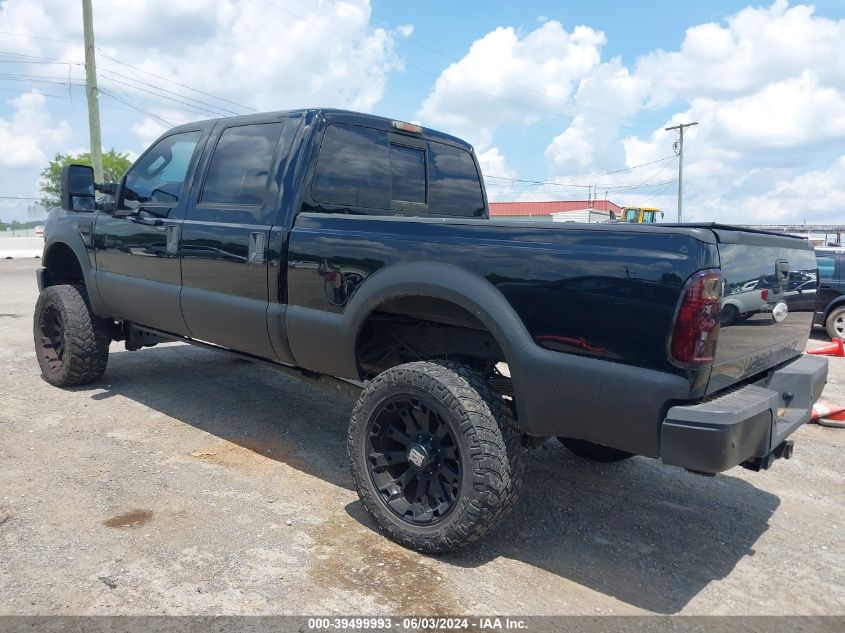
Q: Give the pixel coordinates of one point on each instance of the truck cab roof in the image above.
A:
(331, 115)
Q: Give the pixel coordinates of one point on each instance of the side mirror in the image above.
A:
(77, 188)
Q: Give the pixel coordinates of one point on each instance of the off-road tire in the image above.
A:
(830, 323)
(490, 452)
(594, 452)
(84, 337)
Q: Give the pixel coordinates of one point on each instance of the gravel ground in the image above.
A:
(187, 482)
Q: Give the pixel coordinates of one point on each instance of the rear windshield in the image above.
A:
(365, 168)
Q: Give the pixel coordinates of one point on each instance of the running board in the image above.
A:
(348, 388)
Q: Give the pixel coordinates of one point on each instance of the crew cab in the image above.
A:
(356, 250)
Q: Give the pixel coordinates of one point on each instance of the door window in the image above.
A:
(241, 164)
(353, 168)
(158, 177)
(827, 266)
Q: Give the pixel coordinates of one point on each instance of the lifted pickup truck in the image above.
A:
(353, 248)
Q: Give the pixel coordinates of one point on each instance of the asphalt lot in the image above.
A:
(189, 482)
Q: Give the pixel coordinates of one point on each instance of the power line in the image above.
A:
(606, 187)
(152, 89)
(577, 178)
(37, 37)
(108, 93)
(181, 85)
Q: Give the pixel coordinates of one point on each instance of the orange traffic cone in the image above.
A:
(836, 348)
(828, 414)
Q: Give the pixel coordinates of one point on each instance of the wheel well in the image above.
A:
(62, 265)
(833, 305)
(424, 328)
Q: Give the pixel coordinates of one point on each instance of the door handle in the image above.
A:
(172, 231)
(256, 248)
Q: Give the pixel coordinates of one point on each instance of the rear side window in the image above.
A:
(241, 165)
(364, 167)
(827, 266)
(353, 168)
(454, 185)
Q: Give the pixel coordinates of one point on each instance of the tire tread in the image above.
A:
(485, 421)
(87, 337)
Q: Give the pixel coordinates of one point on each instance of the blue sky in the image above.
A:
(559, 94)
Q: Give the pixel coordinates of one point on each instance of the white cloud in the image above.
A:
(755, 47)
(148, 130)
(507, 78)
(29, 137)
(269, 55)
(767, 86)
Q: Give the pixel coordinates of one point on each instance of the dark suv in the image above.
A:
(830, 302)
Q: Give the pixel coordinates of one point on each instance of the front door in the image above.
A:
(137, 255)
(225, 239)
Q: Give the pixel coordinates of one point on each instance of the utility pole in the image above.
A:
(679, 147)
(91, 92)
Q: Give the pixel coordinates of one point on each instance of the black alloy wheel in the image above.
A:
(415, 462)
(434, 455)
(50, 343)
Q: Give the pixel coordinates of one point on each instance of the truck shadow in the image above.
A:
(649, 535)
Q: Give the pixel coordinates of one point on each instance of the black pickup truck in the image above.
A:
(351, 248)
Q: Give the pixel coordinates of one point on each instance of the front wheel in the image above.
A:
(594, 452)
(433, 455)
(835, 324)
(71, 343)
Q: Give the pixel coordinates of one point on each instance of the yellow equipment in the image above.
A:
(640, 215)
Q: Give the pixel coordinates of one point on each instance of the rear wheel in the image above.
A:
(594, 452)
(71, 343)
(835, 323)
(729, 315)
(433, 455)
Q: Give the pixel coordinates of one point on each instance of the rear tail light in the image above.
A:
(764, 294)
(697, 323)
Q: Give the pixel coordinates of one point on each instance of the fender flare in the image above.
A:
(326, 341)
(67, 234)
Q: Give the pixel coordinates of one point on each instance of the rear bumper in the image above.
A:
(746, 425)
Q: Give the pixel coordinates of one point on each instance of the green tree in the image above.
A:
(114, 166)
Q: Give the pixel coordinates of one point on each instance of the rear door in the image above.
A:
(778, 312)
(225, 238)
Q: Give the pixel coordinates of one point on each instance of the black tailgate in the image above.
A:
(768, 299)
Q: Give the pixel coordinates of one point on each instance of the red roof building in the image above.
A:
(544, 210)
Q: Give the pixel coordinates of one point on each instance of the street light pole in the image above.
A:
(680, 127)
(91, 91)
